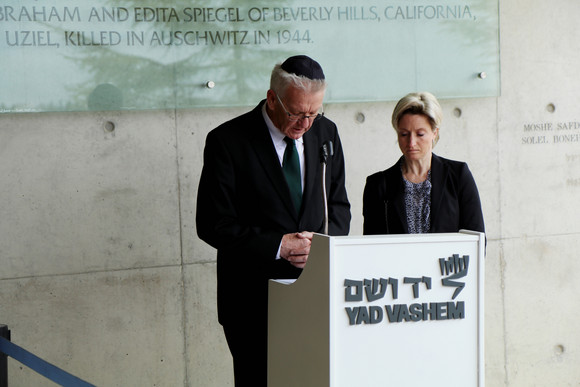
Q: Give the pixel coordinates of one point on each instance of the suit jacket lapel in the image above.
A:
(438, 176)
(399, 196)
(261, 143)
(311, 161)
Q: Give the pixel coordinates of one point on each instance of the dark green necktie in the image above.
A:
(291, 168)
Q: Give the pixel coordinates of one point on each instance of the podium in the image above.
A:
(389, 310)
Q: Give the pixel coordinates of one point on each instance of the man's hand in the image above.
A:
(296, 247)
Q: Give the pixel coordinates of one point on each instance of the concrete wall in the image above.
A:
(102, 273)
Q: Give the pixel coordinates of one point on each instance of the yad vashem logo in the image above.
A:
(452, 270)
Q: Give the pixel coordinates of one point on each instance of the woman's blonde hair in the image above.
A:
(423, 103)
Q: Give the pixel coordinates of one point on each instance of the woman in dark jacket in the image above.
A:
(422, 192)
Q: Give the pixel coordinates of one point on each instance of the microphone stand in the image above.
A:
(325, 152)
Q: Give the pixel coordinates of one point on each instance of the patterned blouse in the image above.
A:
(418, 205)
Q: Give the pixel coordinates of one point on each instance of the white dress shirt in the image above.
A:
(280, 145)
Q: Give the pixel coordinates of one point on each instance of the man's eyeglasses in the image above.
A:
(297, 117)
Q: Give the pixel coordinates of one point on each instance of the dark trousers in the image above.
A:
(248, 344)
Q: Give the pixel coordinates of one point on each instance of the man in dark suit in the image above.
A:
(260, 199)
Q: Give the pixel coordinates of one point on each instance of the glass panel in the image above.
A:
(61, 56)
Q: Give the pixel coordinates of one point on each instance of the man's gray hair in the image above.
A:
(280, 80)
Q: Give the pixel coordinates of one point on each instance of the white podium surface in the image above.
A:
(393, 310)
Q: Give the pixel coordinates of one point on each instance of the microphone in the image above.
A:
(326, 151)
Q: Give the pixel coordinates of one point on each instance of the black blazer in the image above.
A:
(244, 207)
(455, 203)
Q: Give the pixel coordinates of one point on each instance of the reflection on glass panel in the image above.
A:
(59, 55)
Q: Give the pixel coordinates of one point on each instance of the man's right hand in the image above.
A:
(295, 248)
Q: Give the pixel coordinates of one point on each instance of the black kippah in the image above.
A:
(304, 66)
